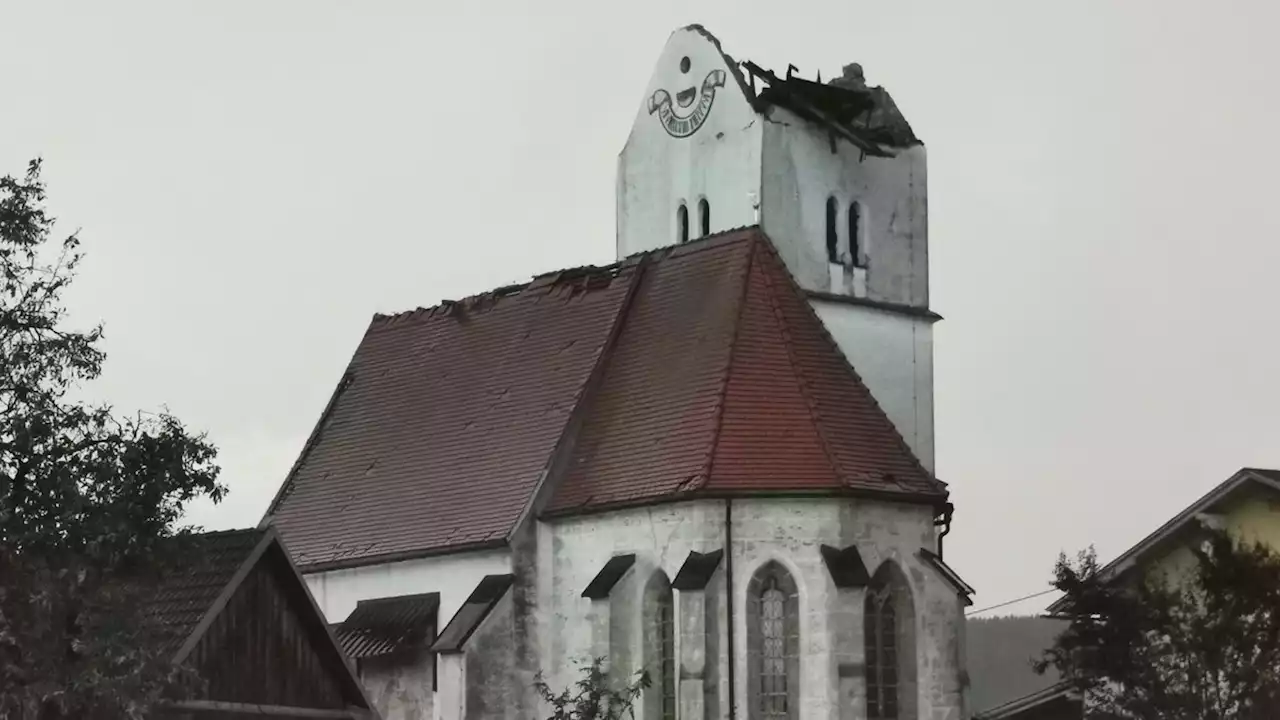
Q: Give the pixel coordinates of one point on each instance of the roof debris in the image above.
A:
(864, 116)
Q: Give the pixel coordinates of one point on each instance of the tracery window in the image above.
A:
(773, 637)
(888, 631)
(661, 647)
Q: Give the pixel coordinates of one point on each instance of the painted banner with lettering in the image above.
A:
(681, 127)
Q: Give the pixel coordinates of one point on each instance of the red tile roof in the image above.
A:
(694, 370)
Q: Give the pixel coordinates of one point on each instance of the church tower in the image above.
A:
(830, 171)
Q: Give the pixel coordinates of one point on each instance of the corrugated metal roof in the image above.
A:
(694, 370)
(383, 626)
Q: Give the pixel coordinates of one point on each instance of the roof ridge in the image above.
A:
(583, 396)
(848, 365)
(800, 376)
(728, 366)
(574, 273)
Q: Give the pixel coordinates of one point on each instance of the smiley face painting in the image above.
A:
(684, 122)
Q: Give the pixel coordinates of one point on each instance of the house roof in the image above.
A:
(201, 573)
(698, 370)
(1245, 477)
(1060, 693)
(192, 581)
(384, 626)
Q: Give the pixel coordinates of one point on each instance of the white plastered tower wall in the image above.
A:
(777, 170)
(719, 161)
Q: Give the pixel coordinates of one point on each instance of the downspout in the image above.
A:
(728, 578)
(948, 510)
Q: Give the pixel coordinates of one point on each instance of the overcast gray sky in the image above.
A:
(254, 179)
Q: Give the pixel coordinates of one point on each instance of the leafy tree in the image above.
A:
(1204, 645)
(87, 499)
(594, 696)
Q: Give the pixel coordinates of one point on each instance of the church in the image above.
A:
(712, 460)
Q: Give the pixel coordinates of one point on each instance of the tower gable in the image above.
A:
(691, 165)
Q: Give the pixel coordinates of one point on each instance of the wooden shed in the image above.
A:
(241, 616)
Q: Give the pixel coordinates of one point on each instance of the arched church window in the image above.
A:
(704, 217)
(855, 234)
(773, 641)
(682, 223)
(660, 655)
(833, 238)
(889, 634)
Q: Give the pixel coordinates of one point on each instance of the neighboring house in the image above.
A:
(1247, 504)
(669, 461)
(237, 612)
(1057, 702)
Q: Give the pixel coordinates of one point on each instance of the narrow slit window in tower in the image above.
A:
(856, 250)
(682, 223)
(704, 217)
(833, 250)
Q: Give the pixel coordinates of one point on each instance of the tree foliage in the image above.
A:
(1203, 644)
(594, 696)
(87, 498)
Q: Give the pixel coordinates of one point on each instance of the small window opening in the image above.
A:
(704, 217)
(682, 223)
(833, 250)
(855, 235)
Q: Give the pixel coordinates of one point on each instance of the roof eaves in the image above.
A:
(1026, 702)
(384, 558)
(901, 496)
(895, 308)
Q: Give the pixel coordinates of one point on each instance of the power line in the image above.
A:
(1011, 602)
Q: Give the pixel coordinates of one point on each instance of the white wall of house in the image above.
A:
(453, 576)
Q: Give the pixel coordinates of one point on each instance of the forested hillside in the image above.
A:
(1000, 651)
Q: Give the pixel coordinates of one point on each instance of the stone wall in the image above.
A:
(400, 687)
(788, 532)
